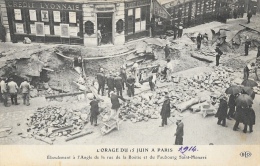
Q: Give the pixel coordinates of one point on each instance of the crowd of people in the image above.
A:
(242, 114)
(9, 88)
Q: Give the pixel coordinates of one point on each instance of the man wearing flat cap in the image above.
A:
(179, 132)
(166, 109)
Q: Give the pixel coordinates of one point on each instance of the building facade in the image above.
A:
(76, 22)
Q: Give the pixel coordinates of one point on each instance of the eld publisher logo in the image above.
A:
(246, 154)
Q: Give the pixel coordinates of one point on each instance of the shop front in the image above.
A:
(106, 18)
(137, 19)
(45, 21)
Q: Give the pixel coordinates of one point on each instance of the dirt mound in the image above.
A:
(235, 63)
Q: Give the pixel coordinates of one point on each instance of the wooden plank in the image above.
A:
(249, 28)
(64, 94)
(78, 136)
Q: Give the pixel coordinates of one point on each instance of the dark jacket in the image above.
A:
(115, 101)
(123, 74)
(101, 78)
(222, 109)
(249, 116)
(94, 109)
(247, 44)
(179, 130)
(249, 14)
(199, 38)
(166, 109)
(232, 101)
(130, 81)
(218, 51)
(110, 82)
(118, 82)
(77, 62)
(239, 115)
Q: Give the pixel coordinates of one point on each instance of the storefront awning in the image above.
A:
(160, 11)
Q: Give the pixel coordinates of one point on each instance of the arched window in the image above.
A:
(120, 26)
(89, 27)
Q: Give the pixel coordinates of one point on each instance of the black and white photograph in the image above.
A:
(169, 73)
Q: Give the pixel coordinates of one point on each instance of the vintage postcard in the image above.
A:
(129, 82)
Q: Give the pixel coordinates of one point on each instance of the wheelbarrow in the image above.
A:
(207, 110)
(109, 126)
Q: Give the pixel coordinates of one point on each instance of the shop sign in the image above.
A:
(39, 26)
(56, 16)
(45, 16)
(72, 17)
(19, 28)
(44, 5)
(47, 30)
(57, 30)
(17, 14)
(32, 27)
(64, 29)
(32, 14)
(135, 4)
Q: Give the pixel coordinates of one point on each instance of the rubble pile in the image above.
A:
(207, 51)
(54, 121)
(183, 94)
(235, 63)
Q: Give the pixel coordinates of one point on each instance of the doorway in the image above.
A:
(104, 22)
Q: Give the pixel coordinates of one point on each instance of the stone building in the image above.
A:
(76, 21)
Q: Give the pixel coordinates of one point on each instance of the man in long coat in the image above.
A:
(199, 39)
(249, 119)
(247, 45)
(239, 117)
(123, 75)
(179, 132)
(94, 111)
(118, 84)
(232, 106)
(249, 15)
(219, 53)
(130, 83)
(110, 83)
(101, 81)
(246, 72)
(166, 110)
(222, 111)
